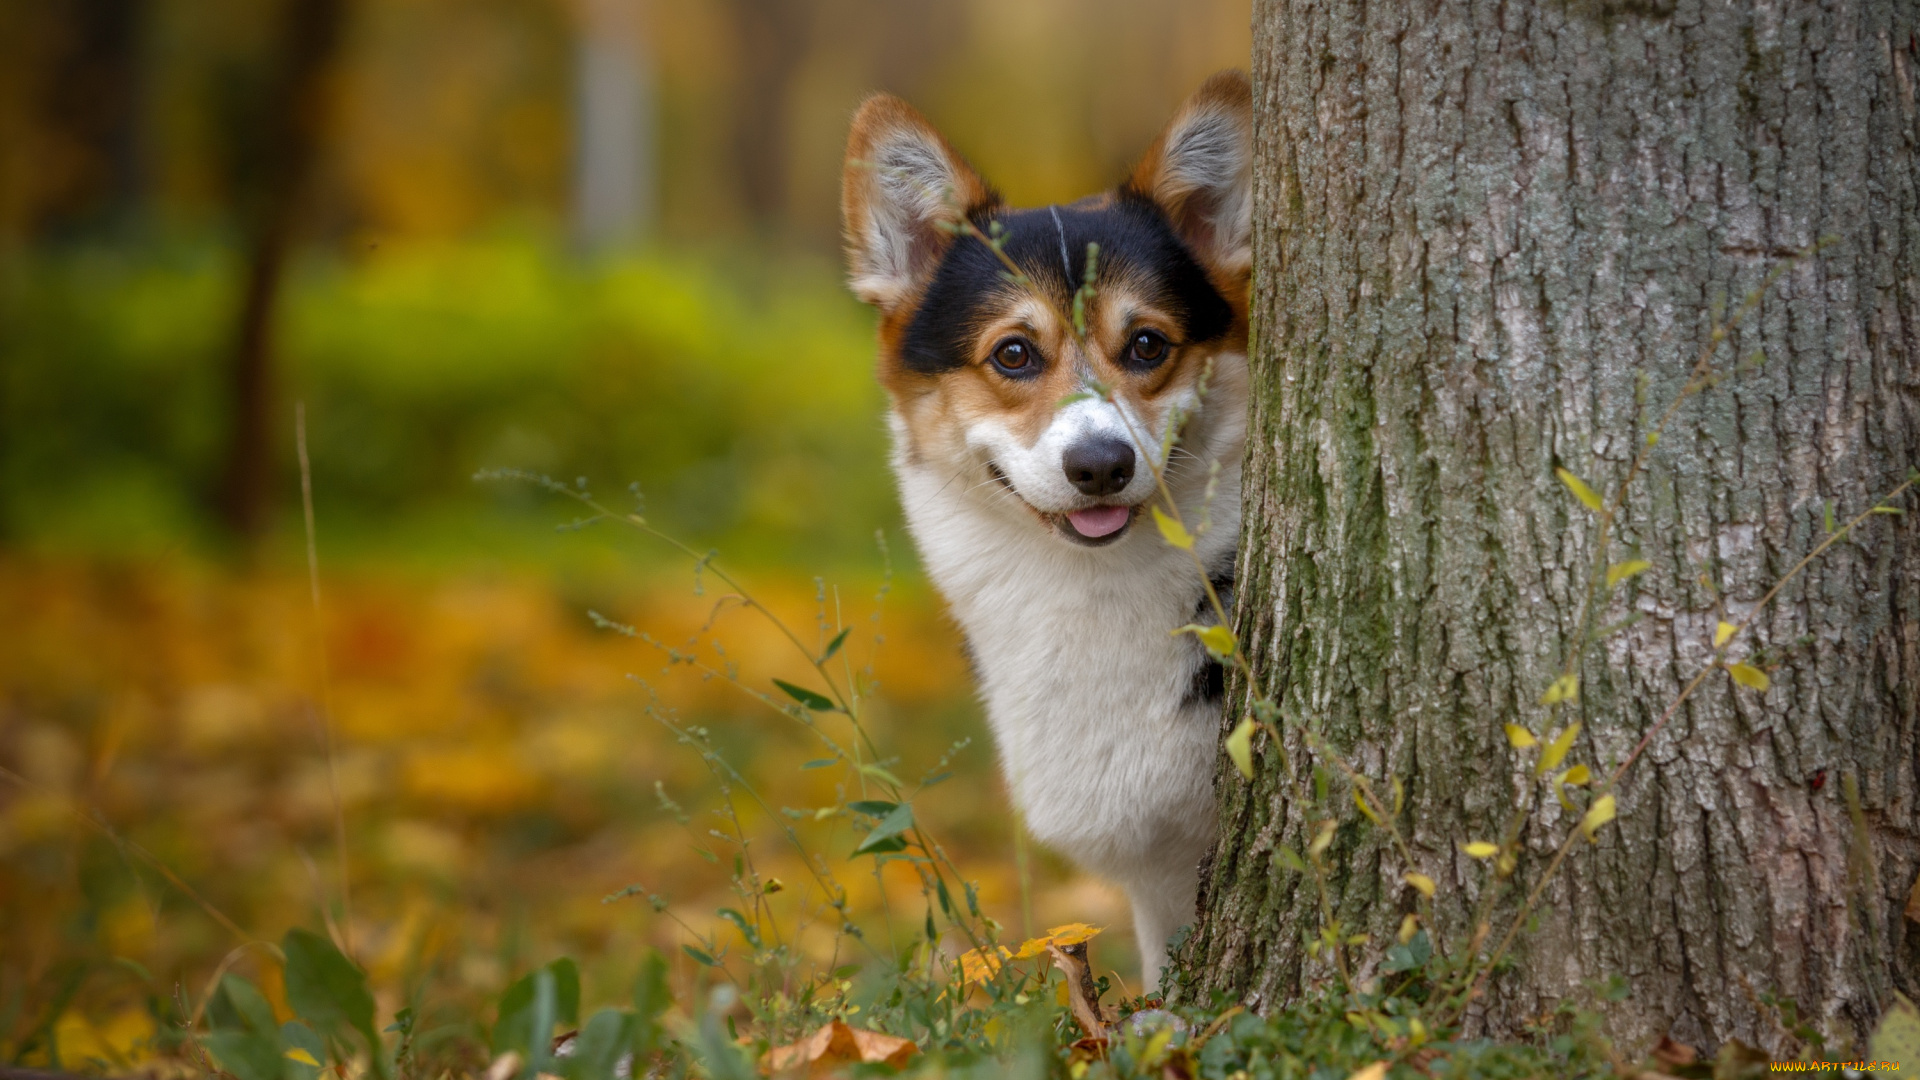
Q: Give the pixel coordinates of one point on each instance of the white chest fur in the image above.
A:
(1105, 745)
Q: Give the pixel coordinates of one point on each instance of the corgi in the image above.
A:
(1026, 455)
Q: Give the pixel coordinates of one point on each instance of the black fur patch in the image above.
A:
(1209, 682)
(1210, 679)
(1136, 243)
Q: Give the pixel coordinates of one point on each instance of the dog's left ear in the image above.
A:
(1200, 171)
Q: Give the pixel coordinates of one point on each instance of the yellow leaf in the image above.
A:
(1322, 839)
(1580, 490)
(1621, 571)
(1750, 677)
(979, 965)
(1898, 1036)
(1070, 934)
(1564, 688)
(301, 1056)
(1520, 738)
(1724, 633)
(1480, 849)
(1375, 1071)
(1556, 751)
(1361, 801)
(1598, 814)
(1240, 747)
(1408, 927)
(1172, 530)
(1219, 640)
(1421, 882)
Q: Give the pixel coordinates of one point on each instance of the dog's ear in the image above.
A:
(1200, 171)
(902, 191)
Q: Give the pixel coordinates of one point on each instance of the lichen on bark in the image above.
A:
(1491, 238)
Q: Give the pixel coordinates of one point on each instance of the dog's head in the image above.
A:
(978, 349)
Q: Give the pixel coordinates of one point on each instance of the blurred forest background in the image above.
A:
(591, 238)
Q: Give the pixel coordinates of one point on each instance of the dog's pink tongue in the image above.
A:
(1097, 521)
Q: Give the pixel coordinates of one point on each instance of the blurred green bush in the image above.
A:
(733, 386)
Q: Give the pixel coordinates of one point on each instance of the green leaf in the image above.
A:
(1750, 677)
(606, 1038)
(1240, 747)
(1172, 530)
(700, 956)
(1291, 859)
(1083, 395)
(1888, 510)
(885, 836)
(237, 1006)
(804, 696)
(298, 1038)
(740, 923)
(515, 1027)
(651, 997)
(328, 991)
(833, 646)
(882, 775)
(1621, 571)
(1580, 490)
(820, 763)
(878, 808)
(248, 1055)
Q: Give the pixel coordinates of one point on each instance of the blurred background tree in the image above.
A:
(200, 198)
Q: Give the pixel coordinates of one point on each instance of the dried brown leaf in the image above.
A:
(836, 1044)
(1082, 995)
(1674, 1054)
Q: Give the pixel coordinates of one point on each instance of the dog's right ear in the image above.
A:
(902, 191)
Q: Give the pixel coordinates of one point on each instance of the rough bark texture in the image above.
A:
(1491, 239)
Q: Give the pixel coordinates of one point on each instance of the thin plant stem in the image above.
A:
(325, 719)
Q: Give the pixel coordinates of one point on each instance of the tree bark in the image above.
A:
(1491, 240)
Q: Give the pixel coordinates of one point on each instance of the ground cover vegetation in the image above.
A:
(726, 823)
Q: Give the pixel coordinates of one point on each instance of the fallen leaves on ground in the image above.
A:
(836, 1044)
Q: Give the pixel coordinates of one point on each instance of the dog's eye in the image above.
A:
(1015, 357)
(1146, 348)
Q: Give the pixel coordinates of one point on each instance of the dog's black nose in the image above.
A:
(1099, 466)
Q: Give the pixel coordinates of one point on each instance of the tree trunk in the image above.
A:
(1491, 240)
(294, 123)
(613, 127)
(772, 40)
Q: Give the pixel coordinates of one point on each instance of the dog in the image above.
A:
(1026, 455)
